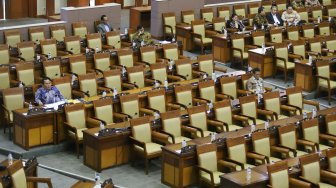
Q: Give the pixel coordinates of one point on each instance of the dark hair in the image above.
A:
(139, 27)
(233, 15)
(260, 9)
(255, 70)
(274, 6)
(44, 79)
(289, 5)
(102, 17)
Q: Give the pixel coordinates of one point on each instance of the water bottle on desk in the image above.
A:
(166, 83)
(49, 55)
(10, 159)
(314, 113)
(97, 49)
(248, 174)
(304, 115)
(213, 76)
(266, 124)
(115, 92)
(101, 126)
(30, 107)
(184, 143)
(97, 178)
(104, 94)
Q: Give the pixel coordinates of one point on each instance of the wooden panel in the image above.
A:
(108, 157)
(18, 135)
(78, 3)
(50, 7)
(101, 2)
(90, 157)
(34, 137)
(170, 176)
(189, 175)
(47, 136)
(304, 77)
(32, 9)
(17, 9)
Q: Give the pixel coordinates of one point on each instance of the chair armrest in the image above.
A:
(296, 107)
(220, 69)
(122, 115)
(290, 149)
(71, 128)
(196, 35)
(257, 156)
(62, 53)
(249, 117)
(287, 108)
(162, 138)
(281, 59)
(6, 111)
(179, 104)
(280, 150)
(128, 85)
(298, 183)
(241, 118)
(328, 175)
(175, 78)
(169, 27)
(270, 43)
(266, 112)
(173, 106)
(198, 129)
(188, 129)
(200, 100)
(40, 180)
(80, 94)
(313, 103)
(210, 33)
(235, 163)
(207, 171)
(169, 135)
(181, 76)
(239, 50)
(327, 137)
(147, 111)
(307, 143)
(230, 165)
(138, 143)
(93, 122)
(143, 63)
(221, 96)
(250, 46)
(244, 92)
(308, 181)
(218, 124)
(295, 56)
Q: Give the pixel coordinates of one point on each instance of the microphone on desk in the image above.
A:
(115, 44)
(87, 93)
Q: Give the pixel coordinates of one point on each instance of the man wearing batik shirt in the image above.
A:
(47, 94)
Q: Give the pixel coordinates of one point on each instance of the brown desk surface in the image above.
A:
(142, 8)
(83, 184)
(239, 178)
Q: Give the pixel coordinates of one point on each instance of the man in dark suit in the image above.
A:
(274, 17)
(104, 26)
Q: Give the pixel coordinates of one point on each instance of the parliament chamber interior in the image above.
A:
(167, 93)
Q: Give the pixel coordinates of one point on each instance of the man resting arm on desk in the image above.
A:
(255, 83)
(47, 94)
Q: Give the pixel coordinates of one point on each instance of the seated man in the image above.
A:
(274, 17)
(297, 4)
(47, 94)
(104, 26)
(290, 16)
(312, 3)
(142, 37)
(235, 23)
(260, 19)
(255, 83)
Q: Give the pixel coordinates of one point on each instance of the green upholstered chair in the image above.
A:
(94, 42)
(326, 78)
(200, 36)
(169, 23)
(296, 100)
(36, 34)
(52, 68)
(63, 84)
(249, 109)
(207, 14)
(58, 32)
(12, 37)
(4, 77)
(143, 139)
(73, 45)
(187, 16)
(282, 61)
(79, 29)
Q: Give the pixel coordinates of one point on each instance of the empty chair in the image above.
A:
(219, 24)
(272, 103)
(249, 109)
(159, 73)
(207, 91)
(293, 33)
(113, 40)
(296, 100)
(49, 49)
(79, 29)
(52, 68)
(187, 16)
(4, 77)
(331, 155)
(102, 61)
(94, 42)
(201, 36)
(73, 45)
(169, 23)
(25, 74)
(12, 37)
(229, 87)
(157, 101)
(148, 55)
(136, 76)
(308, 31)
(103, 111)
(326, 78)
(330, 125)
(207, 14)
(171, 52)
(36, 34)
(206, 64)
(112, 80)
(130, 106)
(5, 57)
(282, 59)
(78, 65)
(26, 50)
(88, 86)
(239, 9)
(224, 12)
(126, 59)
(58, 32)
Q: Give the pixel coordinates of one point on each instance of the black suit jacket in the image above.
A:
(270, 19)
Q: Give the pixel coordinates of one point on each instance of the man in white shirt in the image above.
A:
(274, 17)
(104, 26)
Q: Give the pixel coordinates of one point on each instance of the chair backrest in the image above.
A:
(4, 77)
(281, 50)
(323, 69)
(25, 73)
(287, 136)
(327, 2)
(148, 54)
(223, 111)
(299, 48)
(63, 84)
(57, 32)
(159, 71)
(36, 34)
(282, 4)
(316, 12)
(223, 12)
(238, 41)
(198, 27)
(184, 68)
(88, 83)
(207, 90)
(157, 99)
(169, 18)
(4, 54)
(188, 16)
(331, 155)
(236, 149)
(26, 50)
(331, 124)
(103, 109)
(331, 10)
(324, 28)
(303, 12)
(184, 95)
(253, 8)
(78, 64)
(218, 24)
(206, 64)
(102, 61)
(79, 29)
(207, 157)
(207, 14)
(272, 101)
(198, 117)
(310, 167)
(72, 44)
(244, 80)
(239, 10)
(276, 35)
(229, 86)
(113, 39)
(52, 68)
(125, 58)
(112, 79)
(75, 115)
(331, 42)
(294, 95)
(278, 174)
(171, 122)
(141, 129)
(170, 51)
(250, 18)
(248, 105)
(308, 31)
(261, 143)
(13, 99)
(293, 33)
(267, 5)
(310, 130)
(12, 37)
(94, 41)
(130, 105)
(17, 174)
(48, 46)
(315, 45)
(136, 75)
(258, 38)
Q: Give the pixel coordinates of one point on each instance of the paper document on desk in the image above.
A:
(178, 151)
(164, 42)
(53, 105)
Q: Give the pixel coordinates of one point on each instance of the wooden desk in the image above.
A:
(304, 76)
(221, 49)
(140, 16)
(238, 179)
(183, 34)
(33, 130)
(83, 184)
(258, 58)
